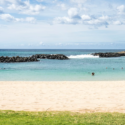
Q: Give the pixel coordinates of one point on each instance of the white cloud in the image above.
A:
(117, 22)
(85, 17)
(121, 9)
(63, 6)
(78, 12)
(73, 13)
(64, 20)
(33, 10)
(1, 10)
(75, 18)
(24, 7)
(7, 17)
(30, 19)
(11, 2)
(104, 18)
(97, 23)
(27, 8)
(10, 18)
(86, 20)
(78, 1)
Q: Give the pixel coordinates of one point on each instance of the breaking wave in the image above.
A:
(82, 56)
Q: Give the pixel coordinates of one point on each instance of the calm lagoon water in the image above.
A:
(78, 68)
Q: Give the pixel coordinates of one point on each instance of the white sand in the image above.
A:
(63, 96)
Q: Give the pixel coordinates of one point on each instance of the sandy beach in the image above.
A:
(96, 96)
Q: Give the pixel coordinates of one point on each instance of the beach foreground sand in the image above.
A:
(96, 96)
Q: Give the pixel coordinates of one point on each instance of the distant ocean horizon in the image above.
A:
(78, 68)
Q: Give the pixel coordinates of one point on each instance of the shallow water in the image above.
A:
(78, 68)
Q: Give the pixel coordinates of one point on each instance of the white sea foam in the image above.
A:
(82, 56)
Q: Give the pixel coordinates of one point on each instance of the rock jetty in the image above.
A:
(33, 58)
(49, 56)
(17, 59)
(110, 54)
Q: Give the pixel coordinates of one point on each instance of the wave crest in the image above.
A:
(82, 56)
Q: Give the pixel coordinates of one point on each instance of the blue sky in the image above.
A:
(62, 24)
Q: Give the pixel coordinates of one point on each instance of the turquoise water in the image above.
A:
(78, 68)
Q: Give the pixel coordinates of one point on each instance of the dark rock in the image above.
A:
(53, 56)
(109, 54)
(17, 59)
(33, 58)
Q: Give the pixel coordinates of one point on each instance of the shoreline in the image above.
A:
(77, 96)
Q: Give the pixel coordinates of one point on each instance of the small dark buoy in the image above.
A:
(93, 73)
(106, 67)
(122, 67)
(113, 68)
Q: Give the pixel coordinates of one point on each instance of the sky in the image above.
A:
(62, 24)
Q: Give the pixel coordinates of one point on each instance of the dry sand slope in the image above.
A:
(102, 96)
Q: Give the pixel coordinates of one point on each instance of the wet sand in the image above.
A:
(96, 96)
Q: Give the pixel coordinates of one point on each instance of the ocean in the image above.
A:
(78, 68)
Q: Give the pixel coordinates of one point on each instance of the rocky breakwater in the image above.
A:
(109, 54)
(33, 58)
(17, 59)
(51, 56)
